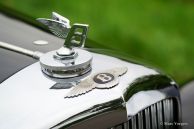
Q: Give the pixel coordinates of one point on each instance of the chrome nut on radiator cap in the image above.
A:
(65, 68)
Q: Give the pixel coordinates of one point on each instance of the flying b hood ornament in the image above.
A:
(58, 25)
(69, 61)
(72, 63)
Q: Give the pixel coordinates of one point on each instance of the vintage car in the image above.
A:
(68, 86)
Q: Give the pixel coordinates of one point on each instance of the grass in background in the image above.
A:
(159, 33)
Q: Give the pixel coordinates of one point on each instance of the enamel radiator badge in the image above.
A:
(104, 80)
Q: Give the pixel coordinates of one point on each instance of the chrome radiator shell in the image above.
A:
(161, 115)
(26, 98)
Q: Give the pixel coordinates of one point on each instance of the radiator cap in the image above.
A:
(71, 60)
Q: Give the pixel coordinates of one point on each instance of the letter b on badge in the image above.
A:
(103, 78)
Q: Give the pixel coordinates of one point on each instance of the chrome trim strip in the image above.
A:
(33, 54)
(160, 115)
(147, 118)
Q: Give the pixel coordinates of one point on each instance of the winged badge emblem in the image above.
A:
(103, 80)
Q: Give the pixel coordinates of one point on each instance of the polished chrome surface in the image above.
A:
(37, 103)
(104, 80)
(32, 96)
(33, 54)
(68, 61)
(65, 55)
(161, 115)
(58, 25)
(66, 68)
(64, 51)
(77, 36)
(144, 88)
(147, 118)
(28, 91)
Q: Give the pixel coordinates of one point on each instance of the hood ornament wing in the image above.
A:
(58, 25)
(103, 80)
(74, 36)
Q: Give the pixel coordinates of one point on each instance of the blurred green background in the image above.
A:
(159, 33)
